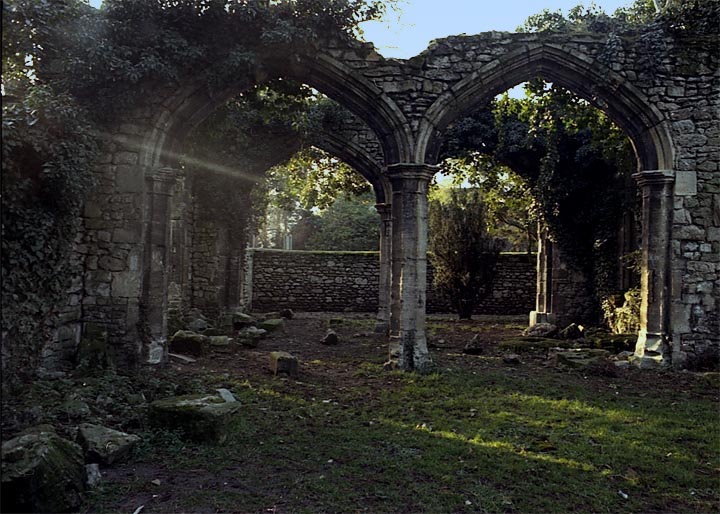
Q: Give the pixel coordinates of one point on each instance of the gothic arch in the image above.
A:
(188, 106)
(586, 77)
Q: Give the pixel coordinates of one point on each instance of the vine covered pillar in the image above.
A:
(653, 345)
(408, 344)
(160, 184)
(384, 283)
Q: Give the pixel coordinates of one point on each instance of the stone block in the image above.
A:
(272, 324)
(685, 183)
(125, 235)
(185, 342)
(125, 284)
(41, 472)
(202, 418)
(283, 362)
(104, 445)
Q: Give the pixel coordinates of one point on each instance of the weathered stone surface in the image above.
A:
(331, 338)
(307, 283)
(93, 475)
(104, 445)
(226, 395)
(241, 320)
(541, 330)
(572, 331)
(283, 362)
(476, 346)
(186, 342)
(272, 324)
(250, 337)
(580, 358)
(41, 472)
(182, 359)
(202, 418)
(219, 343)
(512, 359)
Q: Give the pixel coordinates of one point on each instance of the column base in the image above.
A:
(541, 317)
(652, 351)
(156, 352)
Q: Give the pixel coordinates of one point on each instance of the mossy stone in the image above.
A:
(202, 418)
(42, 472)
(272, 324)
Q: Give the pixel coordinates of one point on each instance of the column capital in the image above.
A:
(652, 177)
(411, 170)
(383, 209)
(165, 174)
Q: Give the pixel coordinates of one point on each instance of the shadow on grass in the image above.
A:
(455, 442)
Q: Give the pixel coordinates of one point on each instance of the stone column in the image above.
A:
(544, 270)
(408, 344)
(160, 184)
(653, 346)
(382, 326)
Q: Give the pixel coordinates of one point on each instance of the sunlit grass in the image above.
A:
(456, 441)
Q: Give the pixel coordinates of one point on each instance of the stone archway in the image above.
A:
(649, 134)
(160, 151)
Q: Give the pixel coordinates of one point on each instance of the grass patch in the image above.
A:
(460, 441)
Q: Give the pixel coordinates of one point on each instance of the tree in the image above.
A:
(351, 223)
(463, 253)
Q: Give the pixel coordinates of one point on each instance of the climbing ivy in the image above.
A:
(68, 71)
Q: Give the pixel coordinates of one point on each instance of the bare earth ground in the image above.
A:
(477, 435)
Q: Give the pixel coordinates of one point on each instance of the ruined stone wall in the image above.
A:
(348, 281)
(668, 83)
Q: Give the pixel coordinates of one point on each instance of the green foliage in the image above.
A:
(462, 251)
(622, 312)
(351, 223)
(681, 18)
(507, 198)
(47, 148)
(574, 162)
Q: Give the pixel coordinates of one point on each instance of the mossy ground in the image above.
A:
(476, 436)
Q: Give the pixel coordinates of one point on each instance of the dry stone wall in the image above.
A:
(348, 282)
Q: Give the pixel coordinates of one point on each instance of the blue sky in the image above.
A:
(408, 33)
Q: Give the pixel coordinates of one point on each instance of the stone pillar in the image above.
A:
(160, 184)
(382, 326)
(544, 270)
(653, 345)
(408, 344)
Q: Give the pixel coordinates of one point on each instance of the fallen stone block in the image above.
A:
(283, 362)
(272, 324)
(250, 336)
(474, 347)
(579, 358)
(182, 359)
(331, 338)
(186, 342)
(41, 472)
(104, 445)
(201, 418)
(541, 330)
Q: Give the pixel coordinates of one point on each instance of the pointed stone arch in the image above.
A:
(187, 106)
(648, 132)
(581, 74)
